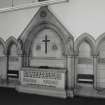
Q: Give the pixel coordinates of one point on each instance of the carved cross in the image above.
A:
(46, 43)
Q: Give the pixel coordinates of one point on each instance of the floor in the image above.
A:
(11, 97)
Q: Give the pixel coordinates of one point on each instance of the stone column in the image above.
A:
(7, 61)
(20, 66)
(95, 70)
(20, 63)
(70, 76)
(75, 74)
(4, 69)
(75, 68)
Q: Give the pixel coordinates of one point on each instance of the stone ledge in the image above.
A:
(47, 92)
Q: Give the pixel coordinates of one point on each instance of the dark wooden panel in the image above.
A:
(12, 74)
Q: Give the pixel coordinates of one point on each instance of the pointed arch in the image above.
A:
(84, 50)
(47, 25)
(37, 25)
(13, 59)
(13, 40)
(85, 37)
(99, 41)
(37, 19)
(50, 21)
(10, 40)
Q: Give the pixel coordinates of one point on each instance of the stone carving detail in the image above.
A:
(44, 75)
(54, 47)
(43, 14)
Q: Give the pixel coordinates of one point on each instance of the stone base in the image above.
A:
(89, 92)
(9, 84)
(42, 91)
(70, 93)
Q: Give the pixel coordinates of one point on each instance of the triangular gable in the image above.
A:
(44, 15)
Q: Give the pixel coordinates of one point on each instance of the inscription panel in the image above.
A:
(46, 78)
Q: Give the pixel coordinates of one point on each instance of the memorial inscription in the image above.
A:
(47, 78)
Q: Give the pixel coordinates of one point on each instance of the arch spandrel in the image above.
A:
(70, 47)
(99, 41)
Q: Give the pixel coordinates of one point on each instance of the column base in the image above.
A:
(70, 93)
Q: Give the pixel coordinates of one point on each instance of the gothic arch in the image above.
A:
(100, 52)
(85, 37)
(84, 50)
(13, 40)
(49, 21)
(99, 41)
(13, 58)
(42, 22)
(3, 44)
(46, 25)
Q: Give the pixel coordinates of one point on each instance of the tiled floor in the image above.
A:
(11, 97)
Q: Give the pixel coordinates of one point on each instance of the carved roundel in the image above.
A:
(43, 14)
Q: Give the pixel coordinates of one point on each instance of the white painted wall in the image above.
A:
(78, 16)
(13, 23)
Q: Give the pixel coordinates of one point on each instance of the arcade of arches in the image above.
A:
(46, 60)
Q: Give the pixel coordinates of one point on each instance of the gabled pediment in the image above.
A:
(45, 19)
(44, 16)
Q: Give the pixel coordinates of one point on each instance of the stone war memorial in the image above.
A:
(46, 59)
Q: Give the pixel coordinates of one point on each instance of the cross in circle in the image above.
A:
(46, 43)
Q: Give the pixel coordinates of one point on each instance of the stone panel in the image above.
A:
(85, 69)
(51, 78)
(3, 67)
(51, 62)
